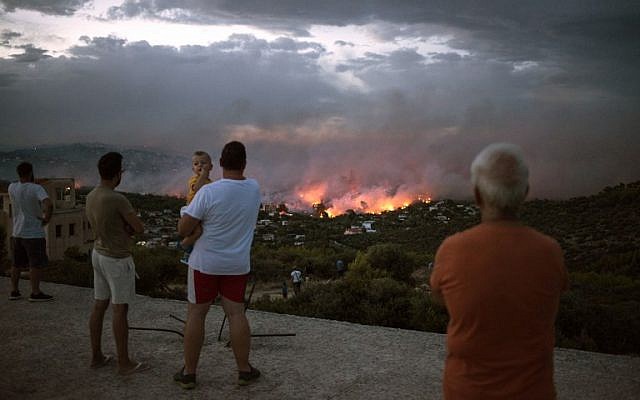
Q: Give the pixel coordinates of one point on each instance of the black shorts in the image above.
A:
(29, 253)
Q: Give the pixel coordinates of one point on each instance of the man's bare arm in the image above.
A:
(47, 209)
(186, 225)
(134, 222)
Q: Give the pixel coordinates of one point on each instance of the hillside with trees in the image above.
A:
(388, 267)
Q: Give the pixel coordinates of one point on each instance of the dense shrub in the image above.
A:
(600, 313)
(376, 301)
(386, 260)
(276, 263)
(70, 272)
(159, 269)
(74, 253)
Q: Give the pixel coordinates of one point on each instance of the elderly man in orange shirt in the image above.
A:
(501, 284)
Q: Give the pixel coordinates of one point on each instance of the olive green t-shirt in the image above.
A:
(105, 210)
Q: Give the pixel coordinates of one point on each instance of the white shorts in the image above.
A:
(113, 278)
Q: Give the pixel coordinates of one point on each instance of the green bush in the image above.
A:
(386, 260)
(70, 272)
(379, 301)
(601, 312)
(159, 271)
(74, 253)
(276, 263)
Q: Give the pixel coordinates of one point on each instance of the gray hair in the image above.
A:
(501, 176)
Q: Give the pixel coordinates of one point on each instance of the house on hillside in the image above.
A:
(68, 226)
(369, 226)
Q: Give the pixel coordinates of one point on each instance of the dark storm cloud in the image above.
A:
(6, 36)
(583, 37)
(53, 7)
(558, 78)
(343, 43)
(135, 92)
(31, 54)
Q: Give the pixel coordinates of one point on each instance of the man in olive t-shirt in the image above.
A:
(113, 221)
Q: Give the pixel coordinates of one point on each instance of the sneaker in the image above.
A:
(187, 381)
(40, 297)
(245, 378)
(15, 295)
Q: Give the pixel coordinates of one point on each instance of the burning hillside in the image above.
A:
(370, 200)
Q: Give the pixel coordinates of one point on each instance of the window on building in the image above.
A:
(58, 231)
(72, 229)
(63, 194)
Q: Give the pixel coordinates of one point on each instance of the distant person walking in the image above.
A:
(501, 283)
(285, 290)
(340, 269)
(296, 280)
(31, 211)
(201, 166)
(220, 262)
(113, 221)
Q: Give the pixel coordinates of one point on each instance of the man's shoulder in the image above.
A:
(13, 186)
(102, 192)
(28, 187)
(462, 236)
(485, 232)
(232, 184)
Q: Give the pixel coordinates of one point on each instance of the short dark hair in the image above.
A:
(110, 165)
(234, 156)
(24, 169)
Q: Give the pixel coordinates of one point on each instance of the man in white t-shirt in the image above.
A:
(31, 211)
(296, 279)
(227, 210)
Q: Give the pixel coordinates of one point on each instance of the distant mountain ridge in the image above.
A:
(147, 171)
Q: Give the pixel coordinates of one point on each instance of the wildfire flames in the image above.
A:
(372, 200)
(328, 201)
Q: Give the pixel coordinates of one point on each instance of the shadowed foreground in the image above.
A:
(45, 355)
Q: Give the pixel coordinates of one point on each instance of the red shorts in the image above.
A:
(204, 288)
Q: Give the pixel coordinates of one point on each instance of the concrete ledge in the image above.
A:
(45, 355)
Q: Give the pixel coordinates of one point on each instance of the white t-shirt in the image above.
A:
(296, 276)
(26, 201)
(228, 209)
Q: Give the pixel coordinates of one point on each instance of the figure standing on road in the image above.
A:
(31, 211)
(113, 221)
(227, 209)
(340, 268)
(296, 280)
(501, 283)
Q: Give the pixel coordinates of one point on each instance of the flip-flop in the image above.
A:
(104, 362)
(138, 368)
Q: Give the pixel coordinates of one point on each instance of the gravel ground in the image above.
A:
(45, 355)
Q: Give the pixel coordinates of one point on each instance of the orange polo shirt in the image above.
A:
(501, 283)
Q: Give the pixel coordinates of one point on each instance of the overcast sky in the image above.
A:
(348, 97)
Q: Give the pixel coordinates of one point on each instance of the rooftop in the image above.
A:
(45, 355)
